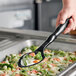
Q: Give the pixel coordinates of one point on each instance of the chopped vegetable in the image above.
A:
(36, 61)
(32, 54)
(55, 61)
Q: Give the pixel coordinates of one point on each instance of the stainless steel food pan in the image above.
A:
(62, 45)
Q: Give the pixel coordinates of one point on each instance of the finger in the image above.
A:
(57, 21)
(63, 17)
(74, 20)
(70, 26)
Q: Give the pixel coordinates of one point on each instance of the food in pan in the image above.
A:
(55, 61)
(31, 59)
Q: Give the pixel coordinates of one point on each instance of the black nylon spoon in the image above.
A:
(49, 40)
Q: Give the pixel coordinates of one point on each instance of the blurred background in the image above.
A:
(29, 14)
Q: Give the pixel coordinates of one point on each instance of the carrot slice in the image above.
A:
(3, 74)
(18, 75)
(19, 54)
(57, 59)
(46, 51)
(32, 54)
(65, 58)
(3, 62)
(71, 60)
(53, 65)
(36, 61)
(34, 71)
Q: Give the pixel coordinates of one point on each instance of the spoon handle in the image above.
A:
(61, 27)
(57, 32)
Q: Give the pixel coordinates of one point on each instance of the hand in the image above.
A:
(68, 10)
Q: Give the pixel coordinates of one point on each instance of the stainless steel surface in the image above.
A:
(18, 39)
(44, 34)
(4, 42)
(69, 70)
(17, 47)
(1, 39)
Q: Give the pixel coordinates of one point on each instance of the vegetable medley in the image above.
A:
(55, 61)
